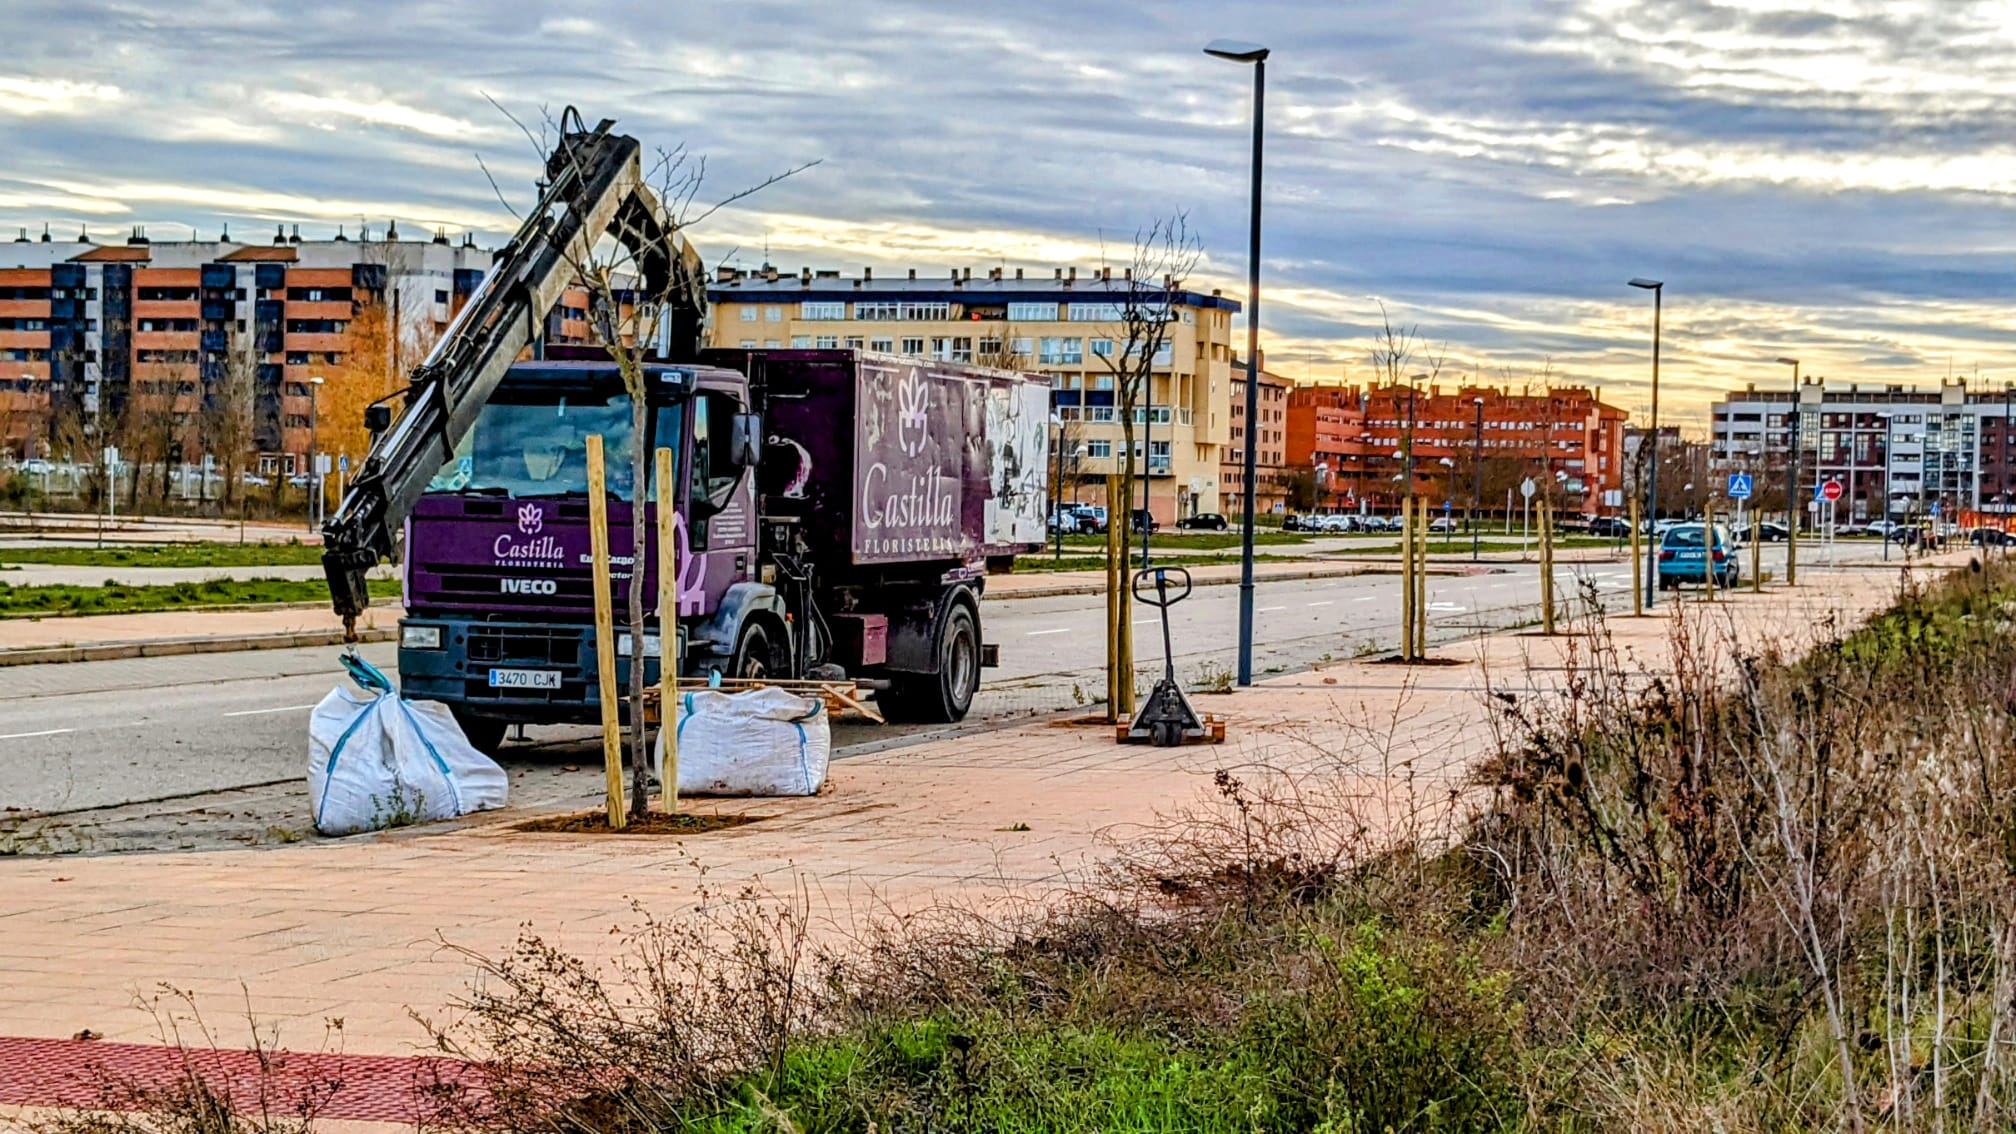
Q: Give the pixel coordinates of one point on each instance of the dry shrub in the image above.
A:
(1795, 875)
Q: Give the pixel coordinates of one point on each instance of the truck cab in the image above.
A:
(499, 578)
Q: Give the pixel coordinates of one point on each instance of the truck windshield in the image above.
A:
(528, 443)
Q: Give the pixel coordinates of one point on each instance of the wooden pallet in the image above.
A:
(1214, 732)
(840, 696)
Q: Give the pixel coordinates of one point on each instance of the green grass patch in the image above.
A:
(1033, 564)
(287, 554)
(1196, 541)
(62, 600)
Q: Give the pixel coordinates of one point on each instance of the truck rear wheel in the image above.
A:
(945, 696)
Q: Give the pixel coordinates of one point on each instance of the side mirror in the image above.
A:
(377, 419)
(745, 440)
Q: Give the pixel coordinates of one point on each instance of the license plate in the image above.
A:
(1690, 555)
(524, 679)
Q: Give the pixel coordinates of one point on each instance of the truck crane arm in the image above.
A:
(594, 185)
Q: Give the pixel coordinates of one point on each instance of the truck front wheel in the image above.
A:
(486, 734)
(944, 696)
(752, 655)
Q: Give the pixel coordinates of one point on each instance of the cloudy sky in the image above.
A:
(1830, 179)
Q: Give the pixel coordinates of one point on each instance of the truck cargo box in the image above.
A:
(902, 460)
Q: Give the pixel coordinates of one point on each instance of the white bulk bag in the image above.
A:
(382, 761)
(764, 741)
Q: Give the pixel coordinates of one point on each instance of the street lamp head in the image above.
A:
(315, 380)
(1446, 463)
(1789, 361)
(1649, 285)
(1238, 51)
(1478, 402)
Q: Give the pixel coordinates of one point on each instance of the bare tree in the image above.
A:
(639, 278)
(1165, 253)
(225, 420)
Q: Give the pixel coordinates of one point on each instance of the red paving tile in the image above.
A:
(77, 1073)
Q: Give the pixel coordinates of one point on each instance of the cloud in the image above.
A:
(1829, 178)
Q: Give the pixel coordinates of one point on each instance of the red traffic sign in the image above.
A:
(1831, 491)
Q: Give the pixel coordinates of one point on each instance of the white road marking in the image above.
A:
(258, 712)
(1040, 633)
(1325, 602)
(1265, 609)
(44, 732)
(1367, 598)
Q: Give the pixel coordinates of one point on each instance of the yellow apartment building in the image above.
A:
(1066, 326)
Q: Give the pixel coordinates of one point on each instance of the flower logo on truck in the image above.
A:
(530, 519)
(913, 419)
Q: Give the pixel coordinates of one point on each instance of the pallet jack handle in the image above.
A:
(1163, 600)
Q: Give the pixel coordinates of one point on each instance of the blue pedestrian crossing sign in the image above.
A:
(1739, 486)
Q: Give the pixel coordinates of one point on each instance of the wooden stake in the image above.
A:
(1637, 563)
(605, 632)
(1546, 565)
(1757, 553)
(1115, 550)
(1708, 550)
(1123, 622)
(668, 630)
(1407, 578)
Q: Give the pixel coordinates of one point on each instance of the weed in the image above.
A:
(1213, 677)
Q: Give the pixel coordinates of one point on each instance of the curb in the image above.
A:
(170, 647)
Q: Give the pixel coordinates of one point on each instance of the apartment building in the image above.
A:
(1065, 325)
(1357, 440)
(1270, 456)
(1895, 450)
(87, 327)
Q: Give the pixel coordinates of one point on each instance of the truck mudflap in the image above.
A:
(990, 655)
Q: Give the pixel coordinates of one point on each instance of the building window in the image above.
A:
(885, 310)
(1102, 381)
(801, 342)
(1032, 313)
(990, 349)
(822, 310)
(771, 344)
(1062, 350)
(1102, 348)
(441, 296)
(297, 358)
(1099, 450)
(913, 346)
(749, 344)
(1023, 348)
(886, 346)
(827, 342)
(853, 342)
(773, 314)
(1093, 312)
(747, 313)
(962, 350)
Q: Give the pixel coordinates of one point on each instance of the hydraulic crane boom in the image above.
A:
(594, 185)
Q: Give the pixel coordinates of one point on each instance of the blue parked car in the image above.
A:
(1685, 553)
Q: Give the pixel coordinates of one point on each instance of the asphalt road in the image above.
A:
(109, 734)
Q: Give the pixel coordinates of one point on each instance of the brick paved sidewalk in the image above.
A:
(355, 928)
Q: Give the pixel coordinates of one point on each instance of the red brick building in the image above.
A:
(1356, 440)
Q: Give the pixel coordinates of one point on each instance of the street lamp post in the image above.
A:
(1658, 290)
(314, 447)
(1476, 477)
(1255, 54)
(1792, 501)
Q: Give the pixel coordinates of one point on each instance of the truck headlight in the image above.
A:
(420, 637)
(623, 645)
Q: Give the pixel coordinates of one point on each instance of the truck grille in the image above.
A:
(531, 645)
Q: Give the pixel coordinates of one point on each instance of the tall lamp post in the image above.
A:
(1255, 54)
(1057, 492)
(1793, 504)
(1658, 290)
(1476, 477)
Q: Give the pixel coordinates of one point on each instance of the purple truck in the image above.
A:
(838, 512)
